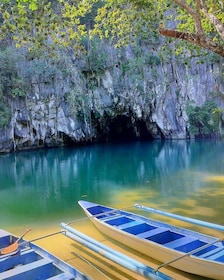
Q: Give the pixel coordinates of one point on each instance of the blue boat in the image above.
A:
(184, 249)
(21, 260)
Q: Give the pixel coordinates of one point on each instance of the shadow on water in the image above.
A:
(182, 176)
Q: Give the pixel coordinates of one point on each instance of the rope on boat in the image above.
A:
(189, 253)
(92, 265)
(88, 262)
(45, 236)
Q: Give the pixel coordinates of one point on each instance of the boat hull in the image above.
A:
(189, 263)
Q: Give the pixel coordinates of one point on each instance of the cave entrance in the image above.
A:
(122, 128)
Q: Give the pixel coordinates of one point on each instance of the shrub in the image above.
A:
(4, 114)
(96, 56)
(202, 120)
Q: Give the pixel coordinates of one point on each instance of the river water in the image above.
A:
(40, 189)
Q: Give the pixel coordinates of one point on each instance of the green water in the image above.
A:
(184, 177)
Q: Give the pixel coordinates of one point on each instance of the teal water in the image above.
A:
(183, 177)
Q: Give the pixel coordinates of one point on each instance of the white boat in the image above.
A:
(184, 249)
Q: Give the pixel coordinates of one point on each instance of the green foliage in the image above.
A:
(136, 70)
(96, 56)
(42, 69)
(33, 23)
(187, 24)
(78, 103)
(78, 100)
(134, 67)
(45, 68)
(151, 59)
(123, 21)
(11, 84)
(203, 120)
(4, 114)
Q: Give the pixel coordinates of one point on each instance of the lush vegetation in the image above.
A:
(11, 83)
(59, 22)
(17, 71)
(204, 120)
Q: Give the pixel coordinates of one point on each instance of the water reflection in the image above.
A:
(185, 176)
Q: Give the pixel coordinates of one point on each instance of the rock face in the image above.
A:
(119, 96)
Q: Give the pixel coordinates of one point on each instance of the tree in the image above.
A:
(60, 22)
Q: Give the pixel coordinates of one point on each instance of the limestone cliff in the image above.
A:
(113, 94)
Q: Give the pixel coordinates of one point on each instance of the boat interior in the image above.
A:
(27, 263)
(163, 235)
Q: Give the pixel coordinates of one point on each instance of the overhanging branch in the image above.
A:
(194, 39)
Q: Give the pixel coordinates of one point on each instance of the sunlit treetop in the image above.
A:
(33, 23)
(65, 23)
(200, 22)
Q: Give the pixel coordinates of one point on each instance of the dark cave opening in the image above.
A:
(123, 129)
(118, 129)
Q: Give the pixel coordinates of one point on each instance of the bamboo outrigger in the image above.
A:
(113, 255)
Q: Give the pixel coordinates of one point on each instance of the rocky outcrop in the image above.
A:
(120, 95)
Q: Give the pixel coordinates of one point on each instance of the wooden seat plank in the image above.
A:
(180, 242)
(152, 232)
(18, 270)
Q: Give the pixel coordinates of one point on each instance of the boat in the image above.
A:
(181, 248)
(20, 259)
